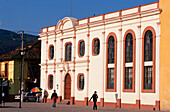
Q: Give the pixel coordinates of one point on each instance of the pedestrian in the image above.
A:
(45, 96)
(94, 96)
(54, 97)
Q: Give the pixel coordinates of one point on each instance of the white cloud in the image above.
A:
(0, 23)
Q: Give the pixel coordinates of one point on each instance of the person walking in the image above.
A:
(45, 96)
(94, 96)
(54, 97)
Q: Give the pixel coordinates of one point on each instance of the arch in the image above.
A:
(78, 82)
(134, 54)
(95, 47)
(68, 51)
(49, 52)
(115, 61)
(67, 22)
(67, 87)
(153, 59)
(81, 49)
(49, 79)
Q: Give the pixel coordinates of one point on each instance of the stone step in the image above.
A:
(64, 102)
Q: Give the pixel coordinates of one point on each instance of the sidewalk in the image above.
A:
(47, 107)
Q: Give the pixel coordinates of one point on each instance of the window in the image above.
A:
(0, 69)
(96, 46)
(148, 48)
(128, 77)
(148, 60)
(68, 50)
(51, 54)
(50, 82)
(110, 78)
(81, 48)
(80, 82)
(129, 61)
(111, 52)
(129, 48)
(148, 77)
(6, 70)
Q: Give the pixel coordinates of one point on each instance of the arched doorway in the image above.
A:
(67, 87)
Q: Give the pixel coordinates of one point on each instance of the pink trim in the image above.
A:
(134, 54)
(154, 57)
(78, 81)
(78, 48)
(49, 82)
(72, 100)
(115, 62)
(49, 52)
(93, 47)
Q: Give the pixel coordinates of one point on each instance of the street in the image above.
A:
(47, 107)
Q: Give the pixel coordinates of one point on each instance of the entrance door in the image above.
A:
(67, 87)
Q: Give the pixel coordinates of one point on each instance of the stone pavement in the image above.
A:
(47, 107)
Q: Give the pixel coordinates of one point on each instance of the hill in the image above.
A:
(10, 40)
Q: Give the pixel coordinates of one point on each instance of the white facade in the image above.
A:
(71, 30)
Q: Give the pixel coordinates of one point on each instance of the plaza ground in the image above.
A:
(47, 107)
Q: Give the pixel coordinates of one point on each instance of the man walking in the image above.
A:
(54, 97)
(94, 96)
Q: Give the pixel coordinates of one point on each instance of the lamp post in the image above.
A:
(22, 69)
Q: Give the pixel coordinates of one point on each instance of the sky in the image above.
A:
(32, 15)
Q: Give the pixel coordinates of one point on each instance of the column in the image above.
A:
(72, 99)
(86, 98)
(61, 50)
(157, 73)
(119, 67)
(103, 68)
(46, 70)
(55, 79)
(138, 65)
(60, 86)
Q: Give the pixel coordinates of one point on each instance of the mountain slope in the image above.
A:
(10, 40)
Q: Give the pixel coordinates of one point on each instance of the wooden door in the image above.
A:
(67, 87)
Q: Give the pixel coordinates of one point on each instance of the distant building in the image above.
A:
(10, 68)
(116, 54)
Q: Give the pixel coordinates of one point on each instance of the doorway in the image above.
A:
(67, 87)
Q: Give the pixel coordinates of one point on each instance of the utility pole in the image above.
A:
(71, 9)
(22, 69)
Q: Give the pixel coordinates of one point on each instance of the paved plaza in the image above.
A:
(47, 107)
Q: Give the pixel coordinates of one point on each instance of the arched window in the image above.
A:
(81, 48)
(148, 46)
(68, 52)
(96, 46)
(80, 82)
(111, 49)
(129, 62)
(111, 63)
(50, 82)
(51, 52)
(129, 48)
(148, 78)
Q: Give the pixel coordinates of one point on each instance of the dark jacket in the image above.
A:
(94, 96)
(54, 96)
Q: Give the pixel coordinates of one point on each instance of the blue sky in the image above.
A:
(31, 15)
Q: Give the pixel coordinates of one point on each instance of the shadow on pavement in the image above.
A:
(8, 107)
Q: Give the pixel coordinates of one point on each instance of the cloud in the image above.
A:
(0, 23)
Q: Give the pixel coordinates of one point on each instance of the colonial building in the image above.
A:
(10, 69)
(116, 54)
(165, 55)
